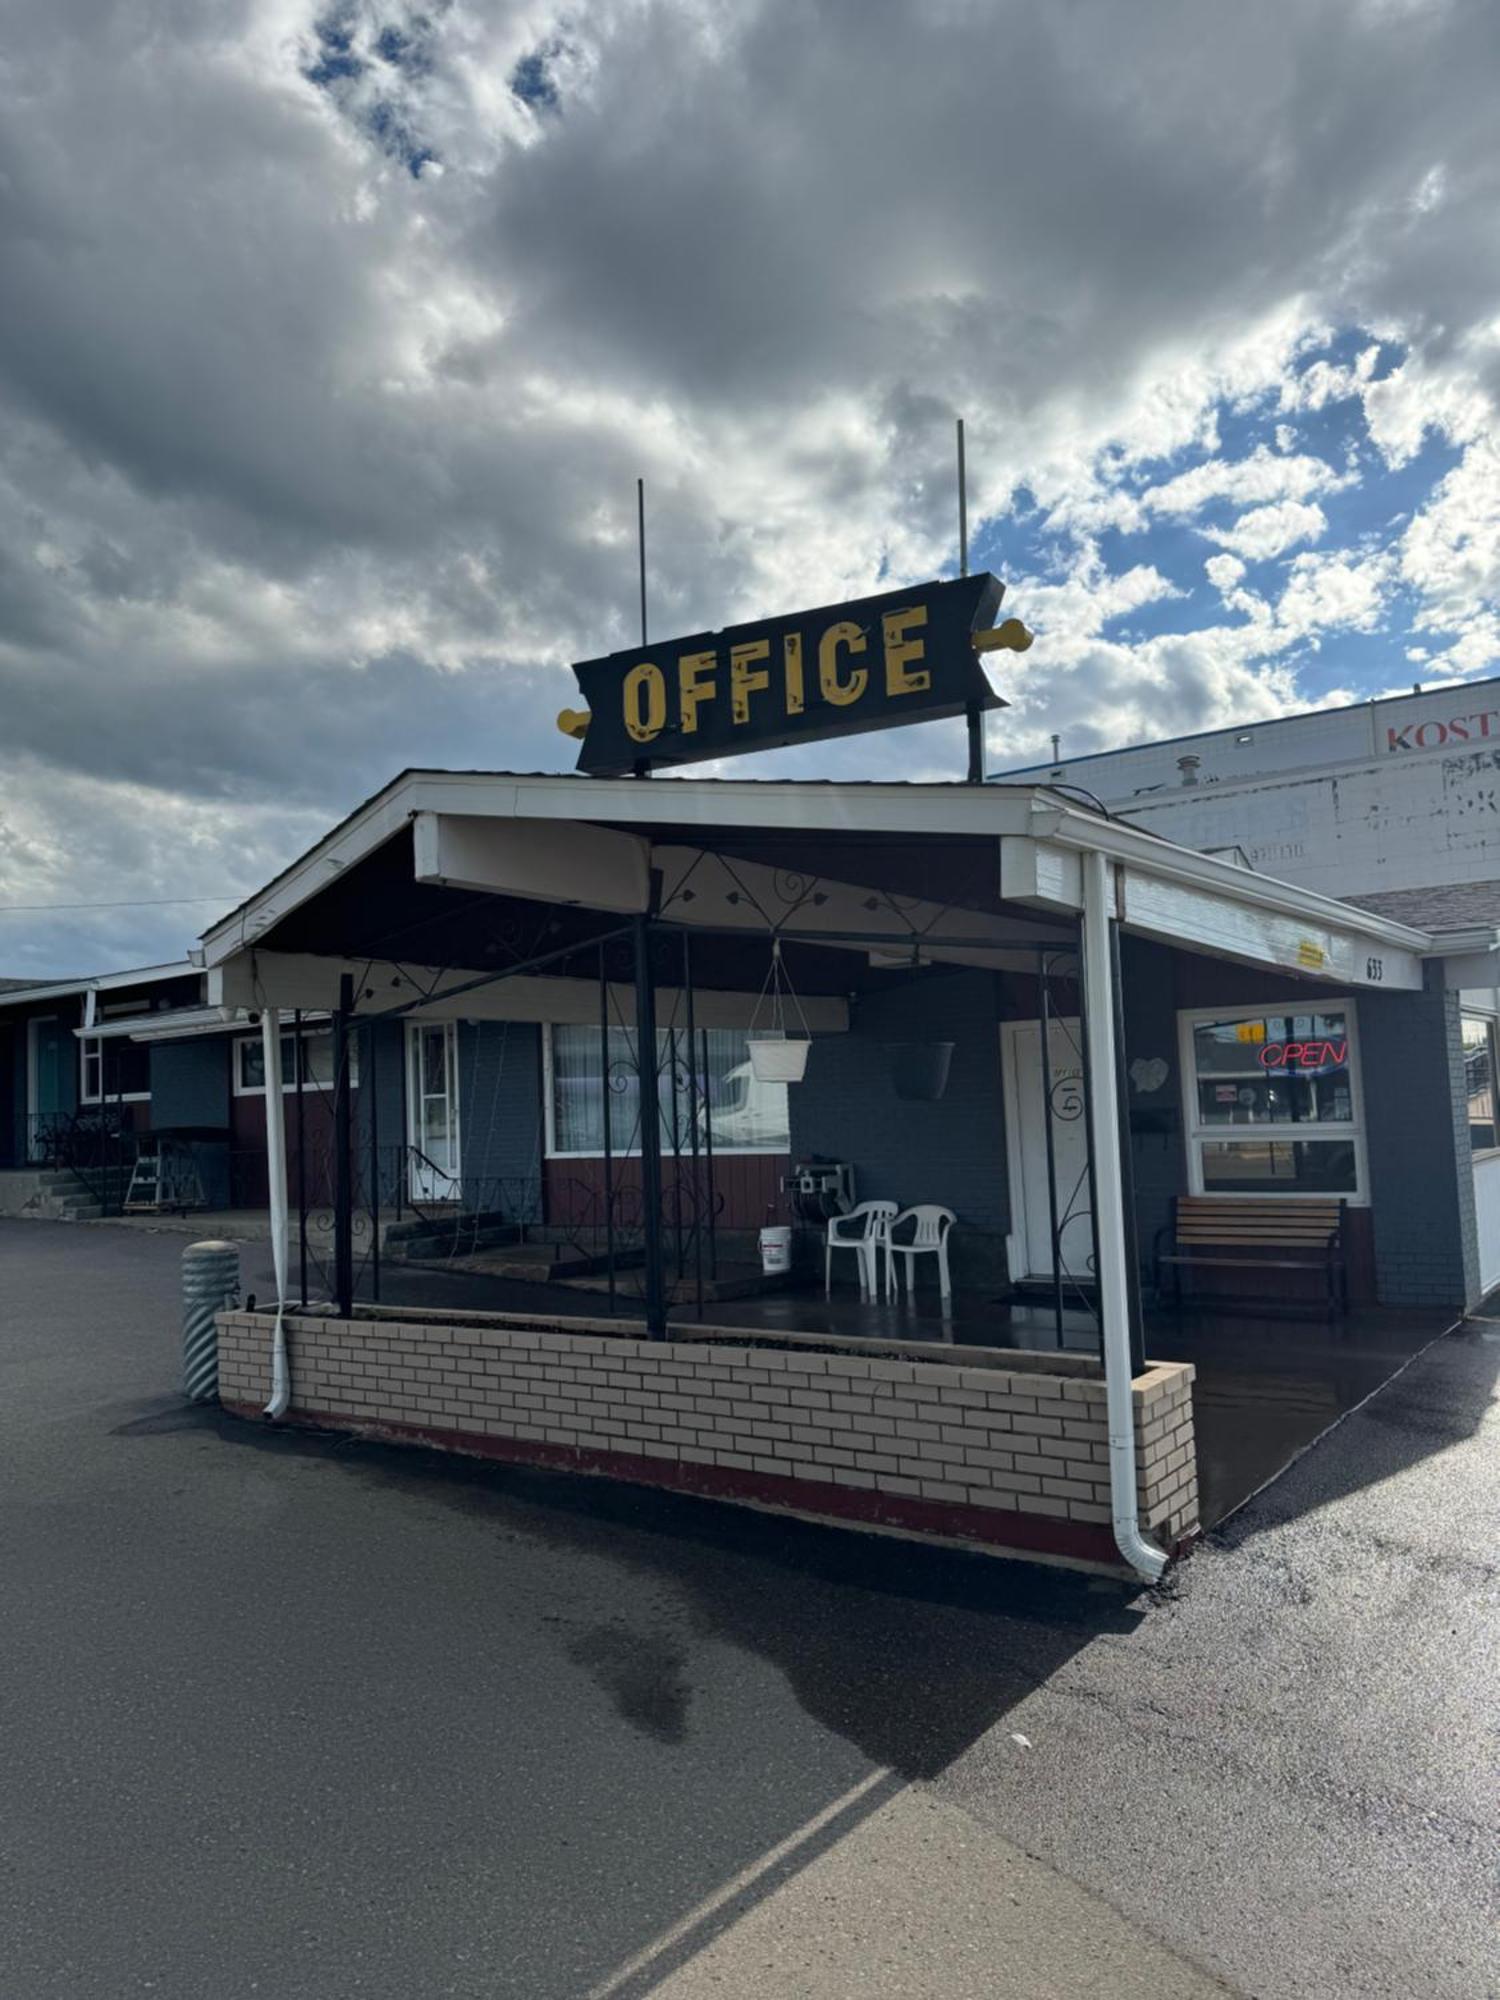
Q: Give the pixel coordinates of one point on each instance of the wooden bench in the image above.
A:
(1249, 1233)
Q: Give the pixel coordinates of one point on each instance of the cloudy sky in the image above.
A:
(333, 339)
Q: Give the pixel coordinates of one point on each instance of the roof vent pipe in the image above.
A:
(1188, 766)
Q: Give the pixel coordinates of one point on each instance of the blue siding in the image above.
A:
(500, 1114)
(1157, 1146)
(950, 1151)
(1421, 1177)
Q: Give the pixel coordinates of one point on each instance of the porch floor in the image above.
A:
(1265, 1388)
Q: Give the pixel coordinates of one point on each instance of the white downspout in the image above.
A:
(1105, 1139)
(270, 1033)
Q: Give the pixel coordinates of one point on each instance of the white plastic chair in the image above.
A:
(865, 1231)
(929, 1238)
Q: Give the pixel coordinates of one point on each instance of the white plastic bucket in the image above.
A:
(777, 1059)
(775, 1248)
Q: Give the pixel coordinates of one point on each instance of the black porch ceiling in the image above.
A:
(375, 910)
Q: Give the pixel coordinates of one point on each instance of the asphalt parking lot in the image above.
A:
(291, 1715)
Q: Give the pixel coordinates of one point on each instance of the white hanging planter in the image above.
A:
(777, 1058)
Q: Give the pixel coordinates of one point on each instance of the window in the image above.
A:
(317, 1062)
(1273, 1103)
(114, 1071)
(746, 1116)
(1479, 1082)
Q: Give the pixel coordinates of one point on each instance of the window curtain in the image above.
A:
(742, 1114)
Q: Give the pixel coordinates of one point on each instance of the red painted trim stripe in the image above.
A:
(992, 1527)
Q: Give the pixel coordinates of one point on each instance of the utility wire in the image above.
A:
(147, 903)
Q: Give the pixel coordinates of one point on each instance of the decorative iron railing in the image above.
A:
(95, 1144)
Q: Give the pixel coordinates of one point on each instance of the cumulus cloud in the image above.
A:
(336, 337)
(1269, 531)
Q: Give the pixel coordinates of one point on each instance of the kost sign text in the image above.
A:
(1435, 734)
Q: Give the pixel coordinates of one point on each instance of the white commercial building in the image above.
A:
(1392, 803)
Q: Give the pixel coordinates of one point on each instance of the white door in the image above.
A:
(432, 1110)
(1026, 1121)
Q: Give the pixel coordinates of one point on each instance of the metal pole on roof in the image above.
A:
(973, 715)
(642, 764)
(963, 506)
(640, 533)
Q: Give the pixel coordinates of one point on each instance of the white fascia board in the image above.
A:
(374, 824)
(176, 1024)
(293, 979)
(1474, 969)
(1145, 854)
(767, 805)
(1195, 919)
(104, 982)
(1478, 939)
(570, 863)
(1039, 875)
(22, 996)
(109, 982)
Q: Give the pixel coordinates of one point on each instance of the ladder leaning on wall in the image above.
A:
(164, 1180)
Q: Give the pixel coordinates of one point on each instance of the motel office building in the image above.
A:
(1392, 805)
(528, 934)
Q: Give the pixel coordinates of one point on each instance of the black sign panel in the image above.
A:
(905, 656)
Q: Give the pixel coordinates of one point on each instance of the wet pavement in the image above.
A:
(290, 1714)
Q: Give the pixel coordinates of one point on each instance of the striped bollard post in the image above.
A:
(210, 1283)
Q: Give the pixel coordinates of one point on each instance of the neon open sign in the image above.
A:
(1304, 1055)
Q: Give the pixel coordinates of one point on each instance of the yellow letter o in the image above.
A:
(645, 720)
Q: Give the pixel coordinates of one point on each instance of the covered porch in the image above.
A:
(541, 938)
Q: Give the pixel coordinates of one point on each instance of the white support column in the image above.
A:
(1105, 1140)
(270, 1032)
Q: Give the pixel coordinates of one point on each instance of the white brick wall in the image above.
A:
(1017, 1440)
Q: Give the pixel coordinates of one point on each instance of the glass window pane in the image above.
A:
(577, 1095)
(1278, 1166)
(746, 1114)
(1279, 1069)
(1479, 1082)
(317, 1061)
(252, 1061)
(742, 1114)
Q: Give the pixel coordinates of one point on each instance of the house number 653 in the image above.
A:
(1375, 969)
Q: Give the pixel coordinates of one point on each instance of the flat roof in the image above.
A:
(1023, 771)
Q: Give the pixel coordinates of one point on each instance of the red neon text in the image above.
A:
(1304, 1055)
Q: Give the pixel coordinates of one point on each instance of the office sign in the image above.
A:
(905, 656)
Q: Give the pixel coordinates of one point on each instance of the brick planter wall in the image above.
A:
(1012, 1458)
